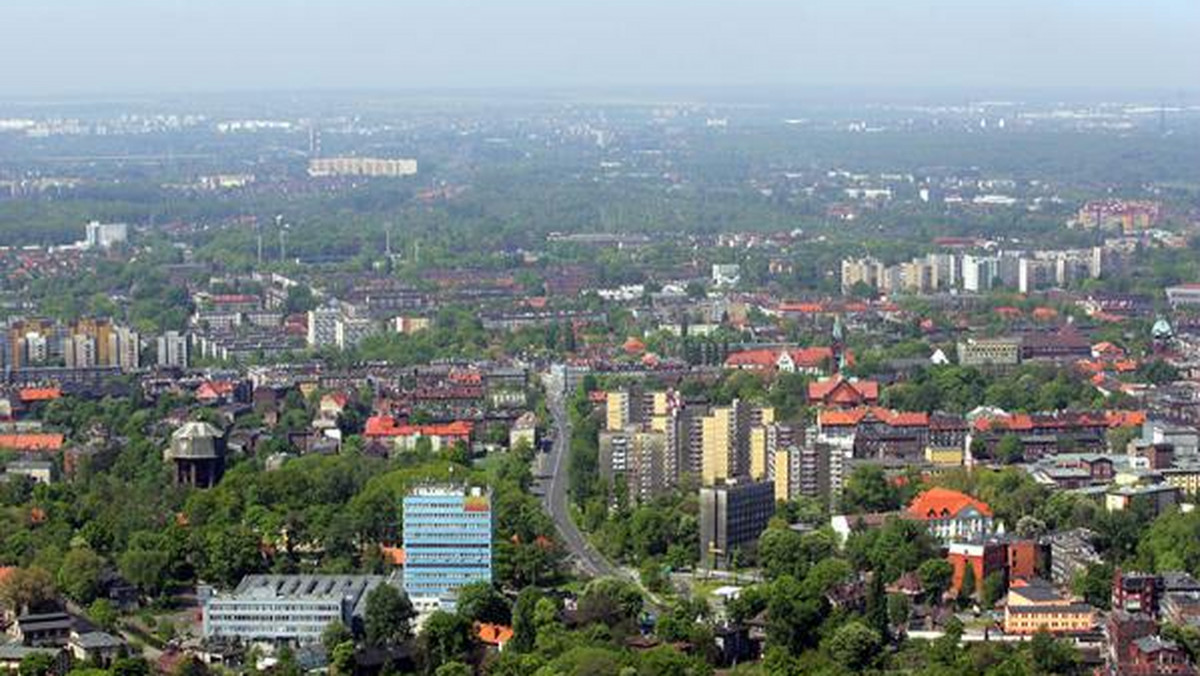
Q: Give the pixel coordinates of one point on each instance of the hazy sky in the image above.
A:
(116, 46)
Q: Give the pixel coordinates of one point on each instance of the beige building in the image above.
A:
(361, 166)
(989, 352)
(731, 445)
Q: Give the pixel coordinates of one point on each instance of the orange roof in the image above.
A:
(805, 308)
(940, 503)
(1108, 349)
(768, 357)
(6, 572)
(1125, 365)
(30, 394)
(493, 634)
(851, 417)
(633, 345)
(811, 357)
(214, 389)
(393, 555)
(1044, 313)
(1008, 311)
(385, 426)
(762, 358)
(839, 390)
(1125, 418)
(32, 441)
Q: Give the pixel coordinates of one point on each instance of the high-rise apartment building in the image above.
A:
(322, 326)
(174, 350)
(726, 441)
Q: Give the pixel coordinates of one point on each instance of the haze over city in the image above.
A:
(121, 46)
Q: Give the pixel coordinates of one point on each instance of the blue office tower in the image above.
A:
(447, 543)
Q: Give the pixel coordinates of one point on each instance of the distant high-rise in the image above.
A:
(173, 350)
(322, 326)
(105, 235)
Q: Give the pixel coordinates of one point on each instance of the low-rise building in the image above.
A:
(1034, 605)
(294, 608)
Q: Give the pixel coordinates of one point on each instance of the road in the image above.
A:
(554, 488)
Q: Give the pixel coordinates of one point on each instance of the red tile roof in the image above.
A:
(842, 392)
(768, 357)
(214, 389)
(32, 394)
(385, 426)
(940, 503)
(32, 441)
(854, 416)
(493, 634)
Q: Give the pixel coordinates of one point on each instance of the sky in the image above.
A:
(73, 47)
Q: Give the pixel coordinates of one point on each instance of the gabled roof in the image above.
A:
(941, 503)
(839, 390)
(214, 389)
(769, 357)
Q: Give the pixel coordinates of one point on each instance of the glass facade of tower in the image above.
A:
(447, 542)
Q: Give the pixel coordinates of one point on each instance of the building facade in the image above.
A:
(732, 516)
(447, 543)
(292, 608)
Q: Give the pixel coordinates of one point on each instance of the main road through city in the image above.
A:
(554, 486)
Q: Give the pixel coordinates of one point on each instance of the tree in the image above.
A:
(899, 608)
(454, 669)
(445, 637)
(79, 576)
(1030, 527)
(481, 602)
(876, 613)
(1051, 656)
(794, 617)
(27, 589)
(1094, 584)
(868, 490)
(103, 614)
(609, 601)
(524, 623)
(341, 658)
(388, 616)
(230, 554)
(130, 666)
(966, 590)
(335, 634)
(779, 553)
(855, 645)
(936, 576)
(993, 588)
(37, 664)
(1010, 450)
(826, 574)
(146, 569)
